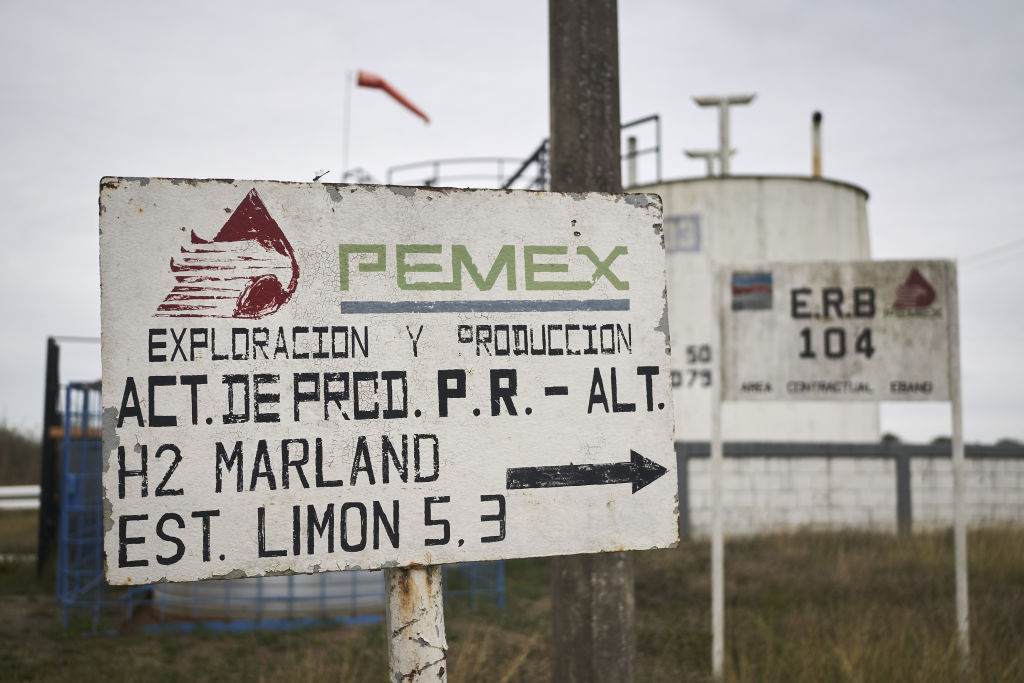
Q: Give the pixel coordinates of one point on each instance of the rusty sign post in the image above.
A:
(293, 384)
(417, 647)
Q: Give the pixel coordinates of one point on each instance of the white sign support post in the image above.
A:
(717, 462)
(307, 377)
(959, 476)
(417, 647)
(839, 331)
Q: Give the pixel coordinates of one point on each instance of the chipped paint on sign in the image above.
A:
(836, 331)
(303, 377)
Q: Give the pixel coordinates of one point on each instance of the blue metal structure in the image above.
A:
(265, 603)
(80, 584)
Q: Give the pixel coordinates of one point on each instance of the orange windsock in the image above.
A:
(369, 80)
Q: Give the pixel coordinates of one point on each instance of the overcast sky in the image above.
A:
(923, 105)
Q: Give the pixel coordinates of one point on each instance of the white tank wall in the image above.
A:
(746, 219)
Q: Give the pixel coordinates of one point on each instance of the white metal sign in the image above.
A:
(311, 377)
(836, 331)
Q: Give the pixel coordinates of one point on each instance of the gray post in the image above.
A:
(683, 479)
(717, 459)
(584, 96)
(963, 639)
(49, 480)
(593, 609)
(816, 145)
(631, 154)
(708, 155)
(723, 138)
(904, 512)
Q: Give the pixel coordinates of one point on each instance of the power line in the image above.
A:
(1001, 250)
(995, 262)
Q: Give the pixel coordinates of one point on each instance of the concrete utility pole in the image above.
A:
(584, 96)
(593, 607)
(723, 102)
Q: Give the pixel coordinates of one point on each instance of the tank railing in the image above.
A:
(540, 156)
(542, 179)
(439, 174)
(358, 175)
(655, 150)
(434, 173)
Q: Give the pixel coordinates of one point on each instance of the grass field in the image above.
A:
(800, 607)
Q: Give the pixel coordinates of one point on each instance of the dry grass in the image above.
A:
(804, 607)
(835, 607)
(19, 531)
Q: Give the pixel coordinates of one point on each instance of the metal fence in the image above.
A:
(263, 603)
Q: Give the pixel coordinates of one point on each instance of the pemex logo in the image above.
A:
(914, 298)
(915, 292)
(239, 273)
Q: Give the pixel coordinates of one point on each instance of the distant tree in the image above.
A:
(1006, 441)
(19, 457)
(941, 441)
(889, 437)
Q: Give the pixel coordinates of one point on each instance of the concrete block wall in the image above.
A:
(995, 492)
(804, 491)
(776, 494)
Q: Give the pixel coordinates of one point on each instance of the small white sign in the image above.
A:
(305, 377)
(836, 331)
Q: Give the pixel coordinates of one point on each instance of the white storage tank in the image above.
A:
(748, 219)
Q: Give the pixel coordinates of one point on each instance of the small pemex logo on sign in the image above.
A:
(239, 273)
(914, 298)
(915, 292)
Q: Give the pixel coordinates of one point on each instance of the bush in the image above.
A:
(20, 457)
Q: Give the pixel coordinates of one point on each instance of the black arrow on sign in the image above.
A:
(639, 471)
